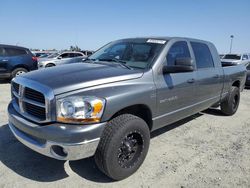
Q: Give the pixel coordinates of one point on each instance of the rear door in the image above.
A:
(3, 60)
(209, 78)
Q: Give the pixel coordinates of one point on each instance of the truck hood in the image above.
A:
(80, 75)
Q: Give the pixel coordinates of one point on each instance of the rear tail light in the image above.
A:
(34, 58)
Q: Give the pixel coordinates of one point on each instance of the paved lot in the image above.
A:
(205, 150)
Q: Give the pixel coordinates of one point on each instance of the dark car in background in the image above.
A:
(15, 60)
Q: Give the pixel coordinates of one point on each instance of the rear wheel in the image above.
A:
(231, 104)
(18, 72)
(123, 146)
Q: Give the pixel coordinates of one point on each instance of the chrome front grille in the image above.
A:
(34, 95)
(15, 87)
(32, 100)
(36, 111)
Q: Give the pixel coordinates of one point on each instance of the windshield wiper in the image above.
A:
(118, 61)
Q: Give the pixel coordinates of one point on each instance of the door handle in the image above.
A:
(5, 60)
(216, 76)
(192, 80)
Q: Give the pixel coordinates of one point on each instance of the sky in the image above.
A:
(54, 24)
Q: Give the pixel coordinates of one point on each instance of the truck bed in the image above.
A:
(231, 74)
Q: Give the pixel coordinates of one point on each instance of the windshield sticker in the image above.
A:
(156, 41)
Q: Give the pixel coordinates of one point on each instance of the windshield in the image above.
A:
(232, 56)
(53, 55)
(135, 54)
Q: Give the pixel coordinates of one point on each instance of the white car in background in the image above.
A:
(60, 58)
(235, 59)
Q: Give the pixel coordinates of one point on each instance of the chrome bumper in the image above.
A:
(72, 151)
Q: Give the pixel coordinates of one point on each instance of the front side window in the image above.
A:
(136, 54)
(202, 55)
(178, 50)
(65, 55)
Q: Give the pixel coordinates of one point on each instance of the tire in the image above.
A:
(18, 72)
(49, 65)
(231, 104)
(123, 146)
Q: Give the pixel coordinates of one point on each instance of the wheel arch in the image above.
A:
(236, 83)
(139, 110)
(48, 65)
(20, 66)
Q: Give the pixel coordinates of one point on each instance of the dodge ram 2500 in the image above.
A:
(107, 106)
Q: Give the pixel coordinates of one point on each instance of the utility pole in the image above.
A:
(231, 44)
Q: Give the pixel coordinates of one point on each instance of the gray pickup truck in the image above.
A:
(108, 105)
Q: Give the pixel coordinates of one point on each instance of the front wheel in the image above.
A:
(123, 146)
(231, 104)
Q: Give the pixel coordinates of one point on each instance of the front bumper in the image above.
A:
(59, 141)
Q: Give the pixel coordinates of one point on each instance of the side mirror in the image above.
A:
(181, 65)
(60, 57)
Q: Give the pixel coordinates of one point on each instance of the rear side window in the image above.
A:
(77, 55)
(14, 52)
(202, 55)
(177, 50)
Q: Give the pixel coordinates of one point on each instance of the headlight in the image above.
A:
(79, 109)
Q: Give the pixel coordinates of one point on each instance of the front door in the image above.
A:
(175, 91)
